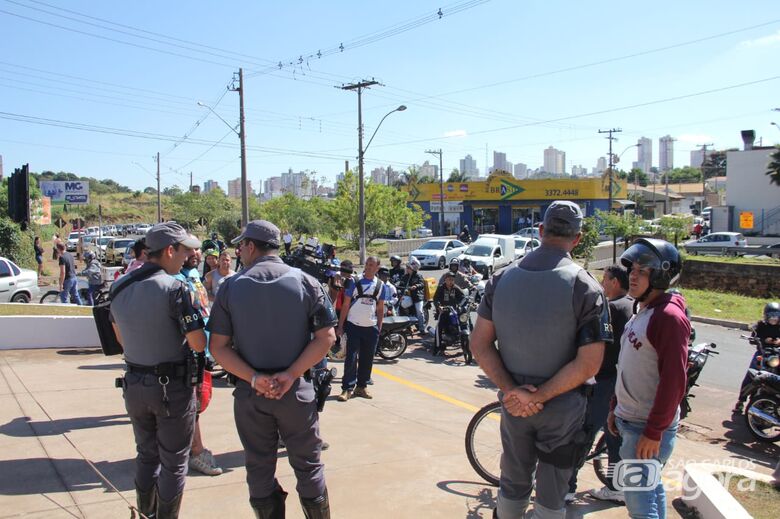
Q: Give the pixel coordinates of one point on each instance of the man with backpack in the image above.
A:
(361, 319)
(93, 275)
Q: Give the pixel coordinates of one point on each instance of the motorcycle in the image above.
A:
(393, 337)
(454, 328)
(698, 354)
(762, 412)
(53, 296)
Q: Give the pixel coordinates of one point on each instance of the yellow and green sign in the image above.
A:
(507, 188)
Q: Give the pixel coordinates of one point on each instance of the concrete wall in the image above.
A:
(750, 280)
(46, 331)
(748, 188)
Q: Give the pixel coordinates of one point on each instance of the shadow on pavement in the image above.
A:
(37, 475)
(23, 427)
(89, 351)
(742, 443)
(483, 497)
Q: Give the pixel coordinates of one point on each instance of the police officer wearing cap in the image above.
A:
(550, 342)
(157, 325)
(280, 324)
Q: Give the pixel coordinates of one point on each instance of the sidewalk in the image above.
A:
(400, 455)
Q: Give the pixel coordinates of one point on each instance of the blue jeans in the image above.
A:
(70, 287)
(361, 346)
(595, 420)
(746, 380)
(644, 504)
(91, 291)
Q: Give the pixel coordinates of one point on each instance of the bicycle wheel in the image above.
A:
(483, 442)
(52, 296)
(598, 455)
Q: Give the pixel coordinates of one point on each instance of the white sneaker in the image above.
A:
(570, 497)
(606, 494)
(205, 464)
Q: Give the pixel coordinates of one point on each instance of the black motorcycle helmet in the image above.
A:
(772, 311)
(455, 262)
(660, 256)
(395, 261)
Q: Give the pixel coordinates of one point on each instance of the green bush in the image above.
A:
(16, 245)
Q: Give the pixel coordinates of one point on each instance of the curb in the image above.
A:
(706, 494)
(721, 322)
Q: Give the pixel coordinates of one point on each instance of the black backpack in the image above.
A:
(101, 312)
(361, 294)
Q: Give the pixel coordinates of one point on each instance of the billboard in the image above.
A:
(68, 191)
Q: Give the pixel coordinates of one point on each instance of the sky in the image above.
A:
(98, 88)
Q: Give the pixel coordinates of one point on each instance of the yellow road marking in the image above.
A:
(427, 391)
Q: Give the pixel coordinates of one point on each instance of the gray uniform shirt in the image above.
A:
(545, 320)
(152, 316)
(270, 310)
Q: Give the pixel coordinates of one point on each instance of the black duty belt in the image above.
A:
(165, 369)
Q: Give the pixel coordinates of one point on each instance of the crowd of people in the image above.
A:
(615, 356)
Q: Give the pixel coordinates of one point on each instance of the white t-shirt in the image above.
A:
(362, 311)
(287, 238)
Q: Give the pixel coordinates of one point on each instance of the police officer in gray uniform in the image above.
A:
(280, 323)
(551, 321)
(156, 324)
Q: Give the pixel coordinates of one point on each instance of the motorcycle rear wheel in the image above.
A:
(392, 346)
(760, 428)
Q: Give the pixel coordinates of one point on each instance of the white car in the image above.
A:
(98, 247)
(142, 228)
(716, 239)
(73, 241)
(524, 246)
(17, 285)
(438, 252)
(529, 232)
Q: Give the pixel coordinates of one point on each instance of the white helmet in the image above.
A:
(414, 264)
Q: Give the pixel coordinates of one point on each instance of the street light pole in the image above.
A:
(441, 189)
(611, 167)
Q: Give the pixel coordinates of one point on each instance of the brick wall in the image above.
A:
(761, 281)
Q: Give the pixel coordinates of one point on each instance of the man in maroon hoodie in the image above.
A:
(651, 376)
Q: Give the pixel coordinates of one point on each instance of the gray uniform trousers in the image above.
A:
(260, 422)
(162, 439)
(556, 425)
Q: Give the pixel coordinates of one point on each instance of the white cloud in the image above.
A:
(764, 41)
(694, 138)
(456, 133)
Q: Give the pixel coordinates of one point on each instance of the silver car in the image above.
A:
(438, 252)
(17, 285)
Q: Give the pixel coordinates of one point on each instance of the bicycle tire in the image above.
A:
(486, 464)
(52, 296)
(598, 455)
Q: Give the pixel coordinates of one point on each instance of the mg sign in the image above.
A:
(70, 191)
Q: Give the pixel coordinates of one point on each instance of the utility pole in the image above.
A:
(703, 176)
(441, 189)
(242, 139)
(159, 200)
(611, 166)
(190, 181)
(666, 178)
(361, 194)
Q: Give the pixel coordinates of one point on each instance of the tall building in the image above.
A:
(468, 166)
(554, 161)
(379, 176)
(579, 171)
(429, 170)
(210, 185)
(644, 154)
(234, 188)
(601, 166)
(499, 161)
(293, 182)
(665, 153)
(521, 170)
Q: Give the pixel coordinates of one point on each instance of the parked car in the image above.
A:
(716, 239)
(93, 230)
(490, 252)
(73, 241)
(142, 228)
(524, 246)
(115, 249)
(17, 285)
(420, 232)
(529, 232)
(98, 247)
(438, 252)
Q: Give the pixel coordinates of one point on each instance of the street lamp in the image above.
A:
(361, 190)
(775, 125)
(244, 193)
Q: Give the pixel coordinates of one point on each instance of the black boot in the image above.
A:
(146, 502)
(168, 509)
(271, 507)
(317, 507)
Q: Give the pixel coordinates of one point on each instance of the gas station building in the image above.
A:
(503, 204)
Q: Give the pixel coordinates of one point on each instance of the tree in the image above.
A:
(685, 174)
(187, 208)
(385, 207)
(715, 164)
(588, 241)
(773, 168)
(637, 175)
(457, 176)
(172, 191)
(295, 214)
(150, 191)
(674, 227)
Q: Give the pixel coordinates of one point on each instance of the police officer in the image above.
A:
(156, 323)
(280, 323)
(550, 342)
